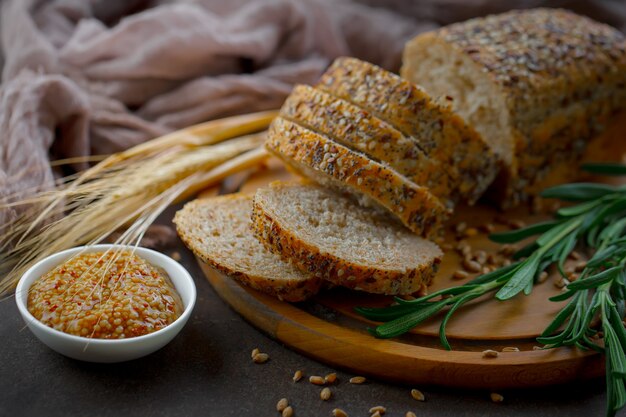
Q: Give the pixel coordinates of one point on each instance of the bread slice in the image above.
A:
(361, 131)
(441, 133)
(326, 234)
(217, 230)
(531, 97)
(334, 165)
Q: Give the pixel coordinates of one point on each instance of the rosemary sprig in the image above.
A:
(597, 297)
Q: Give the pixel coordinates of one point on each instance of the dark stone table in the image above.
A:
(207, 371)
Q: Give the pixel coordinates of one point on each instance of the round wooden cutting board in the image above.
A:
(327, 329)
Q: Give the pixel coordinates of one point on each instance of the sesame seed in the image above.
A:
(490, 353)
(287, 412)
(496, 398)
(325, 394)
(338, 412)
(261, 358)
(417, 395)
(510, 349)
(282, 404)
(358, 380)
(297, 376)
(317, 380)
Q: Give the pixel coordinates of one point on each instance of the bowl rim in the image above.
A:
(33, 321)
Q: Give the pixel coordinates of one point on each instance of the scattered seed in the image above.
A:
(575, 255)
(330, 378)
(471, 266)
(338, 412)
(176, 256)
(507, 249)
(255, 352)
(492, 259)
(378, 409)
(516, 224)
(580, 266)
(480, 257)
(460, 274)
(282, 404)
(460, 228)
(471, 232)
(510, 349)
(506, 262)
(407, 297)
(410, 414)
(572, 276)
(496, 398)
(261, 358)
(376, 414)
(485, 270)
(417, 395)
(487, 228)
(357, 380)
(537, 348)
(288, 412)
(542, 277)
(560, 283)
(316, 380)
(297, 376)
(325, 394)
(490, 353)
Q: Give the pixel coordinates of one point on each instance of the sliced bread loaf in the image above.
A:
(360, 130)
(326, 234)
(329, 163)
(534, 83)
(441, 133)
(217, 230)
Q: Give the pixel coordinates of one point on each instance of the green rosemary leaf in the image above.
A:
(500, 274)
(582, 191)
(614, 207)
(514, 236)
(619, 396)
(579, 208)
(616, 322)
(558, 232)
(615, 352)
(567, 247)
(444, 292)
(444, 322)
(601, 256)
(605, 168)
(559, 319)
(613, 230)
(596, 280)
(519, 280)
(563, 296)
(404, 324)
(385, 313)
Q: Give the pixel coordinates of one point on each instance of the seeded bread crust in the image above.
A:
(308, 257)
(196, 225)
(442, 134)
(359, 130)
(414, 206)
(560, 77)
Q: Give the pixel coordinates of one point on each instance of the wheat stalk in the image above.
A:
(130, 188)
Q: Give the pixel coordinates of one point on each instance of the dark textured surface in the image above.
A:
(207, 371)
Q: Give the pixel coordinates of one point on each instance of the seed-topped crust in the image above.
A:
(442, 134)
(211, 227)
(358, 129)
(561, 78)
(281, 237)
(333, 164)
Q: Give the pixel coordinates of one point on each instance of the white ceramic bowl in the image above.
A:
(107, 350)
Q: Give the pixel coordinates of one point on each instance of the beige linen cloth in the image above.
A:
(94, 77)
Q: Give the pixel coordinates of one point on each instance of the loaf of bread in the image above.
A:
(358, 129)
(332, 164)
(441, 133)
(537, 84)
(326, 234)
(218, 231)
